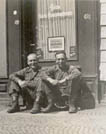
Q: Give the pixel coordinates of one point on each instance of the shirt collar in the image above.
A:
(66, 67)
(30, 69)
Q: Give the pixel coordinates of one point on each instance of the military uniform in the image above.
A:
(32, 77)
(70, 88)
(33, 91)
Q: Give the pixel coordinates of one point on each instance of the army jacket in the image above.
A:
(55, 72)
(28, 75)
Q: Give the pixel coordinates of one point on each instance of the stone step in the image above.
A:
(4, 95)
(6, 100)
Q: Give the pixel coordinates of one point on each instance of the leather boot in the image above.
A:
(49, 105)
(72, 107)
(36, 108)
(15, 107)
(36, 104)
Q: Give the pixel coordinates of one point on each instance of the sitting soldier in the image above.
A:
(27, 82)
(66, 83)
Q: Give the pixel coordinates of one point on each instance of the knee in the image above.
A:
(12, 85)
(11, 76)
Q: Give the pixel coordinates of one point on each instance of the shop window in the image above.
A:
(56, 28)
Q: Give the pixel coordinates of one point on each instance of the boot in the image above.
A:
(36, 105)
(36, 108)
(72, 107)
(50, 104)
(15, 107)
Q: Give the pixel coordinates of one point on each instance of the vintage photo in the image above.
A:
(52, 66)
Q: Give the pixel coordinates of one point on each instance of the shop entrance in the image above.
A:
(28, 28)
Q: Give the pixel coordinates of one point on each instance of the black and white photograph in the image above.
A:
(52, 67)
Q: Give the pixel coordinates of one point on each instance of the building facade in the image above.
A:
(46, 26)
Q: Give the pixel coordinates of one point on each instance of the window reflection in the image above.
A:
(55, 19)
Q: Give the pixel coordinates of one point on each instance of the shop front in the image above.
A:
(47, 26)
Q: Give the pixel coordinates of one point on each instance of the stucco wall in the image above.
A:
(3, 43)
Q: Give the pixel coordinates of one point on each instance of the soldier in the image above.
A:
(65, 80)
(26, 82)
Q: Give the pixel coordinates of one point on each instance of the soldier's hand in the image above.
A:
(54, 82)
(62, 81)
(22, 83)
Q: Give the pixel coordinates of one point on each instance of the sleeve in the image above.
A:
(48, 73)
(20, 75)
(74, 73)
(32, 84)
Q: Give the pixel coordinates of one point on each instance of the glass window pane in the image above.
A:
(102, 1)
(103, 32)
(56, 19)
(103, 44)
(103, 56)
(103, 8)
(103, 71)
(103, 19)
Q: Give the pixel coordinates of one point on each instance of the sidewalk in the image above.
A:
(83, 122)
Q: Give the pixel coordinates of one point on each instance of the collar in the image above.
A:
(30, 69)
(66, 68)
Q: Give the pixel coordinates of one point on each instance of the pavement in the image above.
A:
(83, 122)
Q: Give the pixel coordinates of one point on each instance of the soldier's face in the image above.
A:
(60, 59)
(32, 61)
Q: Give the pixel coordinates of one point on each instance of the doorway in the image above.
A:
(28, 28)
